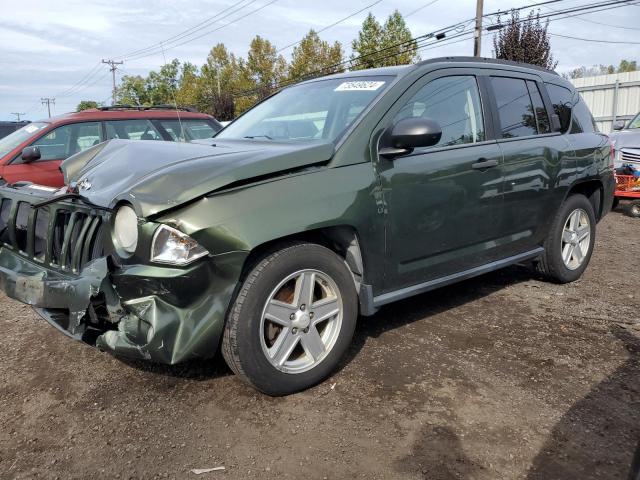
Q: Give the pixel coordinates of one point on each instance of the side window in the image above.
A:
(582, 119)
(138, 129)
(515, 109)
(188, 129)
(67, 140)
(453, 102)
(541, 116)
(561, 100)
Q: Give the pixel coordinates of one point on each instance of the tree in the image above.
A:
(264, 67)
(583, 72)
(315, 55)
(132, 91)
(383, 45)
(525, 41)
(397, 41)
(367, 44)
(86, 105)
(188, 85)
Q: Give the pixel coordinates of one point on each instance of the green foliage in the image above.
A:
(86, 105)
(525, 41)
(592, 71)
(314, 55)
(397, 40)
(367, 44)
(226, 85)
(383, 45)
(264, 67)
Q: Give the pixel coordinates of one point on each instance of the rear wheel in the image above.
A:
(570, 241)
(292, 320)
(634, 209)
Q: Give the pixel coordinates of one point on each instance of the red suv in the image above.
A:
(35, 152)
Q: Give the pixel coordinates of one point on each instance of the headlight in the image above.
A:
(125, 229)
(172, 246)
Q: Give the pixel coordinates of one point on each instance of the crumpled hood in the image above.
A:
(155, 175)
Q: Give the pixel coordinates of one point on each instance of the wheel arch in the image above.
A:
(593, 189)
(341, 239)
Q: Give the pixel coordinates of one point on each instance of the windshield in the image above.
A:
(11, 141)
(635, 123)
(318, 110)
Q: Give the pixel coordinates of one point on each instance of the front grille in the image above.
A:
(632, 156)
(62, 236)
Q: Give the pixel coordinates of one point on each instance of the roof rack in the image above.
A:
(486, 60)
(141, 108)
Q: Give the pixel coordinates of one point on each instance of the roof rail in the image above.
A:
(486, 60)
(141, 108)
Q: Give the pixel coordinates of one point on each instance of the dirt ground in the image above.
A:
(500, 377)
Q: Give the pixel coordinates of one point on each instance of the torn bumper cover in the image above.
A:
(166, 315)
(54, 256)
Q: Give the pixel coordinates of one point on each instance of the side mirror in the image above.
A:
(618, 125)
(30, 154)
(410, 133)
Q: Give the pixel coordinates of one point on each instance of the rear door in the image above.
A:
(55, 146)
(537, 161)
(443, 202)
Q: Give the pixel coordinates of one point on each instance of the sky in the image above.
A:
(47, 47)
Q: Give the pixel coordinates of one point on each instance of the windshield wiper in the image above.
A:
(258, 136)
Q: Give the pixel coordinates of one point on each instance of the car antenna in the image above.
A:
(173, 94)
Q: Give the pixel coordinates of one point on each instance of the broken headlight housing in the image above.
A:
(174, 247)
(125, 230)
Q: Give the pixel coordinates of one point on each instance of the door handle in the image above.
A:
(483, 164)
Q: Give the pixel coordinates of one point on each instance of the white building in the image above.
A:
(611, 97)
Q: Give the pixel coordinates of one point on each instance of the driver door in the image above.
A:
(443, 202)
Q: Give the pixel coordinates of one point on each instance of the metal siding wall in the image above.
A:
(598, 93)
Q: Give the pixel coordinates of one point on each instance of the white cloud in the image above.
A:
(47, 46)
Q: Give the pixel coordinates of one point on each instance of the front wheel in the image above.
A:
(292, 320)
(570, 241)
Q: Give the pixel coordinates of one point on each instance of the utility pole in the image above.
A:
(48, 102)
(113, 67)
(477, 35)
(18, 115)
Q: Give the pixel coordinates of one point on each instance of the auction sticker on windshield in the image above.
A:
(359, 85)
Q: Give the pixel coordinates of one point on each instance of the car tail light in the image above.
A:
(612, 156)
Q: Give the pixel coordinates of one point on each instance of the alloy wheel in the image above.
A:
(301, 321)
(576, 239)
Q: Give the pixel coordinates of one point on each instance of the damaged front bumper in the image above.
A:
(161, 314)
(157, 313)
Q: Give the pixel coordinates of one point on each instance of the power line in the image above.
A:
(336, 23)
(413, 12)
(186, 32)
(594, 40)
(18, 115)
(439, 35)
(599, 23)
(165, 47)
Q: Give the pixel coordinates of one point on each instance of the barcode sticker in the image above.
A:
(358, 85)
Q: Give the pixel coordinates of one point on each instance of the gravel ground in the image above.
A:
(503, 376)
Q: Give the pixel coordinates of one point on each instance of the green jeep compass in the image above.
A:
(327, 200)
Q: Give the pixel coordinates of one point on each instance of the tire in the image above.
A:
(559, 242)
(275, 339)
(616, 202)
(634, 209)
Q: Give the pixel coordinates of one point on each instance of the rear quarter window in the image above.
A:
(562, 101)
(582, 120)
